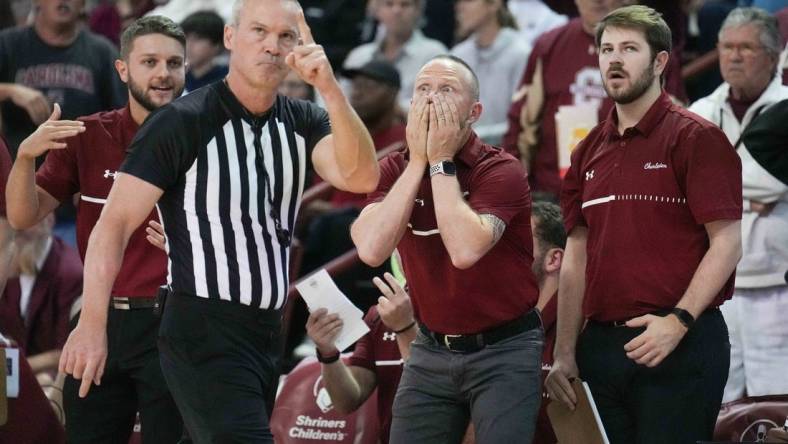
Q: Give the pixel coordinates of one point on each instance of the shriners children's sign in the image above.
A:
(304, 412)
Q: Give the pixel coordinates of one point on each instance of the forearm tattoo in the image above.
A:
(497, 225)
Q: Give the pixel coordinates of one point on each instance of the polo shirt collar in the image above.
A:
(471, 151)
(647, 123)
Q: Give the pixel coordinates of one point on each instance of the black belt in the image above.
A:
(623, 323)
(126, 303)
(476, 342)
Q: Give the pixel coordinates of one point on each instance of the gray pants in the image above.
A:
(498, 387)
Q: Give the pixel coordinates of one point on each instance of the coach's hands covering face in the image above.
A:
(447, 130)
(417, 129)
(309, 60)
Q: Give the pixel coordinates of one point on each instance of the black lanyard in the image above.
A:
(741, 133)
(282, 234)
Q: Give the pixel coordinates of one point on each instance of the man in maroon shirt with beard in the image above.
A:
(85, 155)
(562, 70)
(651, 204)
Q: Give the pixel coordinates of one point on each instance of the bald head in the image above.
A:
(466, 72)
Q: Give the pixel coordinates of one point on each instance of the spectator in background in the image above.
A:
(36, 303)
(110, 17)
(338, 24)
(562, 70)
(178, 10)
(497, 54)
(402, 44)
(534, 18)
(749, 48)
(204, 43)
(376, 361)
(54, 60)
(295, 87)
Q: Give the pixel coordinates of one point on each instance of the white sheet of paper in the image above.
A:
(12, 372)
(320, 291)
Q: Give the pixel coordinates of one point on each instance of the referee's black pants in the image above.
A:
(221, 361)
(676, 402)
(132, 382)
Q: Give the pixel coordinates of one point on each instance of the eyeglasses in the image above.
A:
(745, 49)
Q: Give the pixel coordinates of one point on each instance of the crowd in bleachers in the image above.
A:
(541, 92)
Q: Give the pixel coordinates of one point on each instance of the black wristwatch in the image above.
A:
(684, 316)
(326, 359)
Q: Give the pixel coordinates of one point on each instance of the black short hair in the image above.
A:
(152, 24)
(205, 24)
(549, 225)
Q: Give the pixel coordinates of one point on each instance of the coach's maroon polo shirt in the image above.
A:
(88, 166)
(644, 197)
(500, 286)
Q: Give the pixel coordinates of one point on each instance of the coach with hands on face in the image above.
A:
(226, 165)
(458, 212)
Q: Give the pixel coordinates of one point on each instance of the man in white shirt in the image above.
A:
(749, 47)
(402, 44)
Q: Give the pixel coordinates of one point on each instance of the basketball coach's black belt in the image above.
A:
(476, 342)
(124, 303)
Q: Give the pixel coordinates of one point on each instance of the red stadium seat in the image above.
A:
(31, 419)
(748, 419)
(304, 413)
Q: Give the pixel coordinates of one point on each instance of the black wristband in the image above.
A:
(684, 317)
(405, 328)
(326, 359)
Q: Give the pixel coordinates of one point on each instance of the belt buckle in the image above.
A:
(447, 342)
(620, 323)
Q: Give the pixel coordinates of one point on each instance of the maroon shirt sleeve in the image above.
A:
(59, 174)
(5, 169)
(710, 175)
(364, 353)
(572, 192)
(500, 188)
(390, 171)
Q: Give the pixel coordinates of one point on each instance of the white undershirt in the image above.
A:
(28, 281)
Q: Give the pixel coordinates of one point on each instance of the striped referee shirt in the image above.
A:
(225, 174)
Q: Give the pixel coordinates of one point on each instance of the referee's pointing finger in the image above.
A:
(303, 30)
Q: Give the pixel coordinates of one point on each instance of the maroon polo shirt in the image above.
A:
(378, 351)
(5, 169)
(644, 197)
(570, 75)
(500, 286)
(88, 166)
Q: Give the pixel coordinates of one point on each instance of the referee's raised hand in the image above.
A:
(309, 60)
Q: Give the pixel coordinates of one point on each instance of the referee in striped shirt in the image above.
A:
(226, 165)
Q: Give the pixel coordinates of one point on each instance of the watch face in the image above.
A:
(449, 167)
